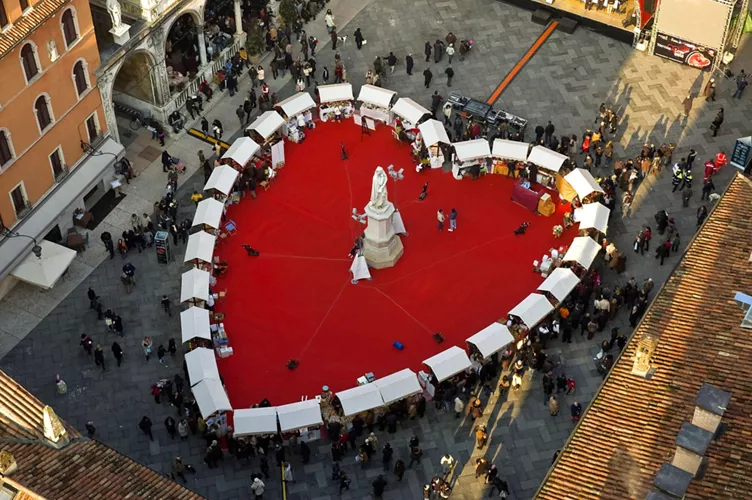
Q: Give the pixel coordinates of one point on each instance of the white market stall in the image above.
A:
(194, 286)
(44, 271)
(506, 153)
(299, 415)
(593, 216)
(202, 364)
(194, 324)
(200, 248)
(266, 128)
(297, 112)
(470, 154)
(362, 398)
(583, 251)
(241, 152)
(548, 163)
(582, 185)
(532, 309)
(254, 421)
(336, 101)
(209, 214)
(399, 385)
(560, 283)
(221, 181)
(432, 134)
(409, 112)
(491, 339)
(448, 363)
(375, 102)
(211, 397)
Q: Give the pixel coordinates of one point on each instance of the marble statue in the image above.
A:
(52, 50)
(378, 189)
(113, 7)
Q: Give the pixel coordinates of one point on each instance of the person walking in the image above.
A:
(415, 454)
(702, 214)
(178, 468)
(709, 90)
(169, 423)
(427, 76)
(145, 426)
(344, 482)
(161, 352)
(715, 126)
(166, 305)
(147, 344)
(90, 429)
(86, 343)
(117, 352)
(427, 51)
(391, 61)
(452, 220)
(440, 218)
(409, 63)
(450, 52)
(687, 104)
(741, 84)
(707, 188)
(240, 113)
(553, 406)
(399, 469)
(379, 485)
(257, 488)
(358, 38)
(449, 72)
(99, 356)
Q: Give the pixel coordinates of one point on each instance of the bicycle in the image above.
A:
(136, 121)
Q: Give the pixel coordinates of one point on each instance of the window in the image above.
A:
(29, 62)
(24, 4)
(58, 166)
(69, 27)
(42, 109)
(92, 128)
(79, 77)
(6, 150)
(18, 197)
(3, 15)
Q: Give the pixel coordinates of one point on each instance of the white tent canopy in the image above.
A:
(251, 421)
(491, 339)
(209, 212)
(335, 92)
(195, 285)
(532, 309)
(409, 110)
(376, 96)
(200, 246)
(44, 271)
(194, 323)
(299, 103)
(299, 415)
(593, 215)
(560, 283)
(398, 385)
(472, 150)
(546, 158)
(448, 363)
(211, 397)
(509, 150)
(201, 365)
(266, 124)
(583, 250)
(582, 182)
(433, 132)
(362, 398)
(242, 150)
(222, 179)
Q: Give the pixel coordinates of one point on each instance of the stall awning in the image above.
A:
(433, 132)
(266, 124)
(448, 363)
(250, 421)
(211, 397)
(362, 398)
(200, 246)
(299, 415)
(560, 283)
(491, 339)
(222, 179)
(44, 271)
(201, 365)
(546, 158)
(194, 324)
(335, 92)
(583, 251)
(510, 150)
(299, 103)
(195, 285)
(398, 385)
(410, 110)
(209, 212)
(376, 96)
(241, 151)
(532, 309)
(593, 215)
(472, 150)
(582, 182)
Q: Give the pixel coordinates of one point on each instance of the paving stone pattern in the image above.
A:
(565, 82)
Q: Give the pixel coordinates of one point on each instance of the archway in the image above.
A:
(135, 79)
(182, 58)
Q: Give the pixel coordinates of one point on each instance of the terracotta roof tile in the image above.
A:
(25, 25)
(630, 428)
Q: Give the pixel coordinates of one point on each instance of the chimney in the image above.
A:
(672, 481)
(54, 430)
(691, 445)
(710, 405)
(645, 350)
(7, 463)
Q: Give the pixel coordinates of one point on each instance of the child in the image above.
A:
(570, 386)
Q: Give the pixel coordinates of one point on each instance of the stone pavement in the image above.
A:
(565, 82)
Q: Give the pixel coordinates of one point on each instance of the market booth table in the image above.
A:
(221, 181)
(358, 399)
(209, 214)
(491, 339)
(583, 251)
(410, 113)
(335, 101)
(524, 194)
(448, 363)
(254, 421)
(398, 386)
(506, 154)
(241, 153)
(296, 111)
(375, 102)
(194, 286)
(202, 364)
(592, 216)
(211, 397)
(471, 156)
(547, 163)
(560, 283)
(579, 183)
(266, 129)
(532, 309)
(194, 324)
(200, 249)
(432, 134)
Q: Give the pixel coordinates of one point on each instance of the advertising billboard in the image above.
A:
(684, 52)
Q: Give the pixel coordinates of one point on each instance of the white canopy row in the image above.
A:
(433, 132)
(291, 417)
(546, 158)
(222, 179)
(267, 124)
(409, 110)
(510, 150)
(335, 92)
(376, 96)
(296, 104)
(242, 150)
(560, 283)
(472, 150)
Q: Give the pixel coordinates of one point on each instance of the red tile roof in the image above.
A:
(630, 428)
(25, 25)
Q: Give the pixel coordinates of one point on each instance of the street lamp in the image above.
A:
(396, 175)
(9, 233)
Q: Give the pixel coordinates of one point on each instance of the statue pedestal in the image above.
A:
(382, 248)
(121, 34)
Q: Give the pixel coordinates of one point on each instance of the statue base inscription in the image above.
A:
(382, 247)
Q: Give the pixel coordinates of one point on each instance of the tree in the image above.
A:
(254, 42)
(288, 12)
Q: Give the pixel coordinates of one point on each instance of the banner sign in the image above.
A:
(741, 155)
(684, 52)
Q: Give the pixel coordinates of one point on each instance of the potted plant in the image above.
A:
(287, 12)
(255, 42)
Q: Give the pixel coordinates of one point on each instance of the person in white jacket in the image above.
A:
(258, 488)
(329, 20)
